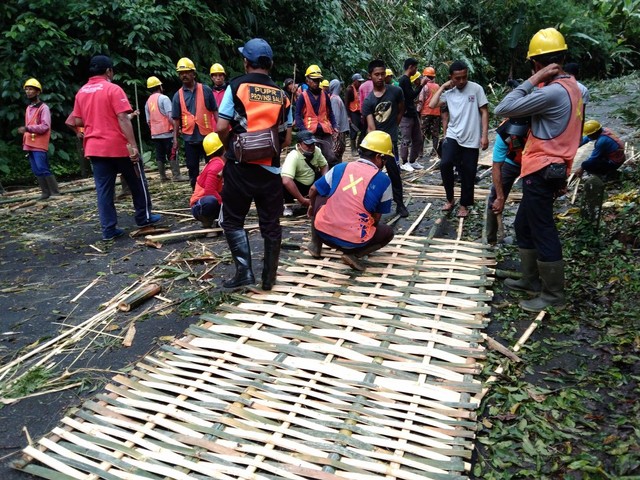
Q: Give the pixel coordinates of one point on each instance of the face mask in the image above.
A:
(307, 155)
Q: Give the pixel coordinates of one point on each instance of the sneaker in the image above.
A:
(288, 212)
(117, 232)
(416, 166)
(153, 218)
(402, 211)
(406, 167)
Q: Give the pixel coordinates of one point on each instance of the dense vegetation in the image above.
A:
(53, 40)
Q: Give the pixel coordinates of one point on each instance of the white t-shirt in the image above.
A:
(465, 125)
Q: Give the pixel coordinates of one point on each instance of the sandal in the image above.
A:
(463, 212)
(447, 207)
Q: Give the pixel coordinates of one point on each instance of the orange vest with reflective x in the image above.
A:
(313, 119)
(344, 215)
(36, 140)
(203, 117)
(618, 156)
(539, 153)
(158, 123)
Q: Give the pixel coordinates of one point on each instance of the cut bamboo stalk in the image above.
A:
(139, 296)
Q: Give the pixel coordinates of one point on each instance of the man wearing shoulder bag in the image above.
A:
(259, 114)
(556, 110)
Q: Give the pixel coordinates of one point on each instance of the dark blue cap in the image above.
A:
(256, 48)
(307, 137)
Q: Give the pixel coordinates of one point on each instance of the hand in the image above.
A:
(21, 130)
(484, 142)
(545, 74)
(310, 211)
(447, 85)
(305, 202)
(579, 172)
(135, 113)
(134, 155)
(498, 206)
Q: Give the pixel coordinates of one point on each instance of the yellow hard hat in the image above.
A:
(324, 83)
(153, 82)
(591, 127)
(211, 143)
(379, 142)
(547, 40)
(414, 77)
(32, 82)
(388, 72)
(313, 72)
(217, 68)
(429, 72)
(184, 65)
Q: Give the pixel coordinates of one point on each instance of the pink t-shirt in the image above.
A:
(98, 104)
(365, 89)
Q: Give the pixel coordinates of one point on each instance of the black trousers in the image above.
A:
(356, 121)
(393, 171)
(466, 161)
(193, 152)
(163, 149)
(244, 183)
(535, 226)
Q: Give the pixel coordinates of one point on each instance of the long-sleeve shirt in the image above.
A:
(410, 95)
(603, 147)
(43, 126)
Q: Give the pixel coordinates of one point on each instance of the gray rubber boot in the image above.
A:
(44, 186)
(162, 171)
(53, 185)
(238, 241)
(530, 281)
(175, 172)
(552, 295)
(314, 247)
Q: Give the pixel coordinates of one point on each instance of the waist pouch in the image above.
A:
(258, 145)
(555, 171)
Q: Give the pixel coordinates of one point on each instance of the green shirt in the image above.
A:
(296, 167)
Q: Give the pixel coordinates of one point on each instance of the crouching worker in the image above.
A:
(347, 203)
(608, 153)
(206, 200)
(303, 166)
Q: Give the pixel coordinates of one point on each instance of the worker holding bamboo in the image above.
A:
(103, 109)
(556, 110)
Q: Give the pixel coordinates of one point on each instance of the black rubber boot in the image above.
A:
(238, 241)
(53, 185)
(270, 264)
(175, 172)
(552, 295)
(314, 247)
(162, 171)
(530, 281)
(492, 227)
(44, 187)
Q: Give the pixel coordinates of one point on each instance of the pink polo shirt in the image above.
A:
(98, 104)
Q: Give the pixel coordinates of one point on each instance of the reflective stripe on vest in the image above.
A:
(538, 153)
(158, 123)
(616, 157)
(426, 110)
(36, 140)
(354, 105)
(263, 106)
(344, 215)
(203, 117)
(313, 119)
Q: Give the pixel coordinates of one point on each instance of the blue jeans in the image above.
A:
(105, 170)
(39, 161)
(206, 209)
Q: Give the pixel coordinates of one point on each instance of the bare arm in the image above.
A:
(176, 129)
(496, 175)
(435, 98)
(371, 124)
(313, 193)
(484, 119)
(287, 138)
(292, 188)
(127, 129)
(400, 112)
(222, 129)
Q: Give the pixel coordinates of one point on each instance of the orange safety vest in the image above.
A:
(313, 119)
(354, 106)
(538, 152)
(616, 157)
(344, 215)
(431, 88)
(263, 106)
(158, 123)
(203, 118)
(36, 140)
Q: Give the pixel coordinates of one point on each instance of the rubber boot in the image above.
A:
(530, 281)
(162, 171)
(270, 263)
(175, 172)
(238, 241)
(492, 227)
(125, 191)
(314, 247)
(552, 295)
(44, 187)
(53, 185)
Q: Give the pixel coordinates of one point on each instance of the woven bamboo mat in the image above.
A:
(333, 374)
